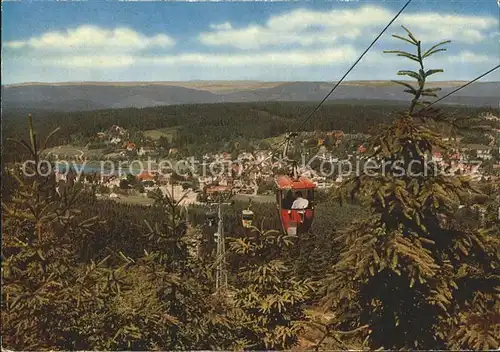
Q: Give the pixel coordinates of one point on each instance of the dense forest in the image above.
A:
(391, 262)
(212, 127)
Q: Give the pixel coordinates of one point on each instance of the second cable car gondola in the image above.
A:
(247, 217)
(295, 202)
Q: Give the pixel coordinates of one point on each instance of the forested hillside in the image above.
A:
(102, 95)
(210, 127)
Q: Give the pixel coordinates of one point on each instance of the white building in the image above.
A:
(144, 151)
(115, 140)
(484, 154)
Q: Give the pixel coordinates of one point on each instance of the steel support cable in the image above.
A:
(343, 77)
(353, 65)
(459, 88)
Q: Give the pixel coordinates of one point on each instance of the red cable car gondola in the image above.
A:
(294, 199)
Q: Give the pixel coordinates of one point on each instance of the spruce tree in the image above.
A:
(270, 298)
(407, 273)
(41, 277)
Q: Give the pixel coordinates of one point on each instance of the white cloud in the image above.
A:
(15, 44)
(463, 57)
(307, 27)
(302, 19)
(289, 58)
(303, 27)
(470, 57)
(222, 26)
(334, 56)
(90, 61)
(255, 37)
(92, 38)
(460, 28)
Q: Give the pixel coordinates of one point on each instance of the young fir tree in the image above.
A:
(409, 274)
(44, 285)
(270, 297)
(52, 298)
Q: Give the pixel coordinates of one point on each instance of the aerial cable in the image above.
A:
(342, 79)
(359, 59)
(459, 88)
(354, 65)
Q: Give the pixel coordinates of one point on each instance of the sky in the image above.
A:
(64, 41)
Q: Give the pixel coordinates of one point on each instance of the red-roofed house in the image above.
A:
(336, 134)
(145, 176)
(130, 146)
(437, 156)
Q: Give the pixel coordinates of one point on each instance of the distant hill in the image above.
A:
(74, 96)
(91, 97)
